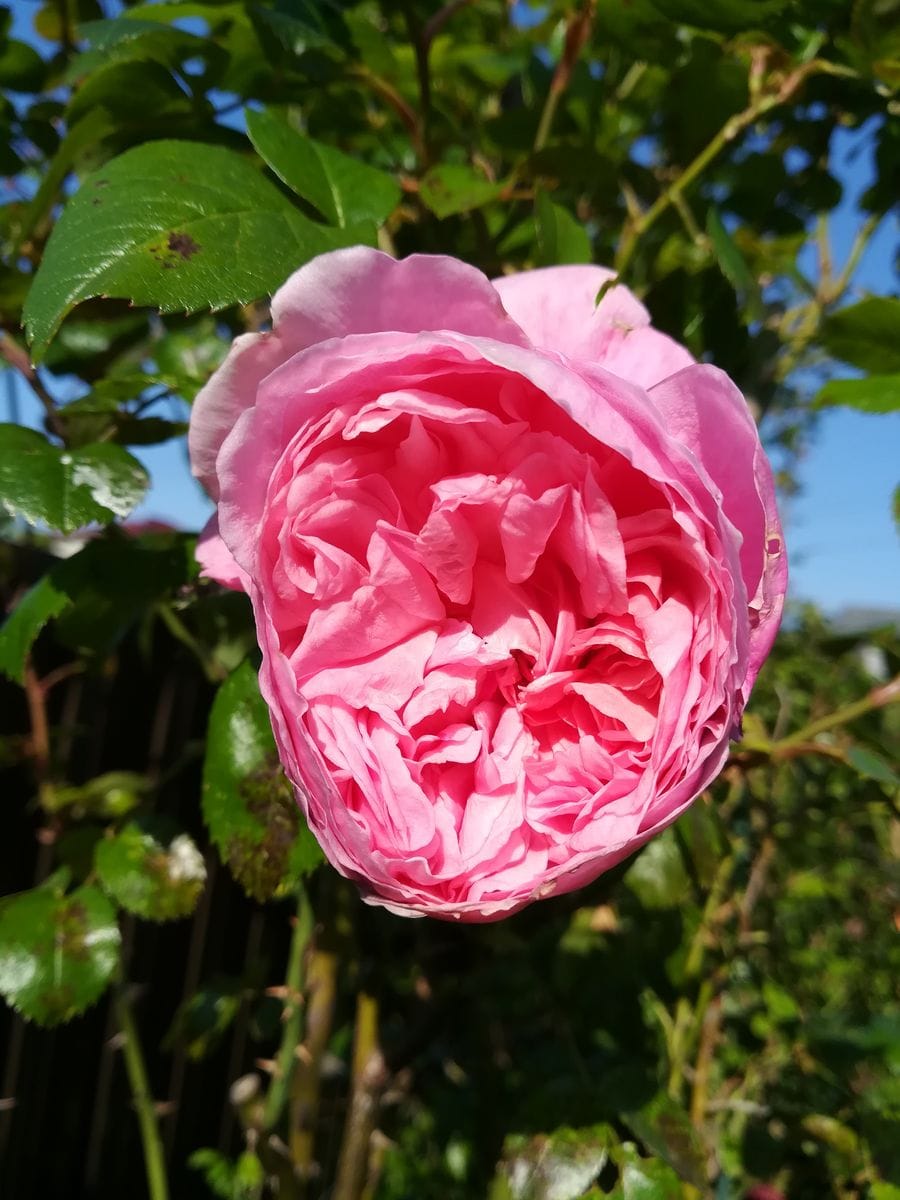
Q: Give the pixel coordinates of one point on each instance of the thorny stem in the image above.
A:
(18, 358)
(578, 31)
(709, 1034)
(394, 100)
(735, 125)
(321, 990)
(154, 1162)
(435, 24)
(292, 1017)
(35, 696)
(177, 628)
(368, 1081)
(687, 1016)
(828, 291)
(880, 697)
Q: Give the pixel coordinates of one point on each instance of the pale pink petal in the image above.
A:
(703, 409)
(558, 310)
(216, 560)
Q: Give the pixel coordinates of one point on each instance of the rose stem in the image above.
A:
(321, 991)
(368, 1081)
(735, 125)
(292, 1016)
(154, 1163)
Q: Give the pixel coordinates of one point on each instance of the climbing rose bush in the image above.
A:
(514, 560)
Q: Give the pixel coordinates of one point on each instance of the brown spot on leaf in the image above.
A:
(183, 244)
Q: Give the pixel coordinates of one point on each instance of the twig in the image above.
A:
(860, 242)
(321, 990)
(578, 31)
(880, 697)
(709, 1035)
(17, 357)
(756, 882)
(154, 1162)
(369, 1074)
(35, 696)
(286, 1059)
(735, 125)
(392, 97)
(435, 24)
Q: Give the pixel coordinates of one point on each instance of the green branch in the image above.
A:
(154, 1160)
(879, 697)
(734, 126)
(286, 1059)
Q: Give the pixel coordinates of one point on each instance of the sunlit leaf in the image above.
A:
(248, 804)
(865, 335)
(151, 870)
(66, 489)
(448, 190)
(873, 394)
(343, 189)
(180, 226)
(20, 629)
(560, 237)
(57, 952)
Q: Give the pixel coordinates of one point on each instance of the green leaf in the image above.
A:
(25, 622)
(248, 804)
(302, 25)
(57, 952)
(66, 489)
(834, 1134)
(98, 417)
(895, 506)
(876, 28)
(112, 794)
(180, 226)
(645, 1178)
(133, 93)
(187, 357)
(667, 1131)
(81, 137)
(560, 238)
(561, 1165)
(448, 190)
(657, 876)
(21, 67)
(866, 335)
(732, 263)
(126, 40)
(343, 189)
(884, 1191)
(219, 1173)
(873, 394)
(872, 766)
(204, 1017)
(151, 871)
(114, 581)
(110, 582)
(728, 16)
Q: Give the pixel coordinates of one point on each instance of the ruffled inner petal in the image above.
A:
(516, 647)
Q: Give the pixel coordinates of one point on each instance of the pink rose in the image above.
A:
(514, 559)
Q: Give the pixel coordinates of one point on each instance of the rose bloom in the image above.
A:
(514, 560)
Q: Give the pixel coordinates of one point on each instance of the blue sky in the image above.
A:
(843, 546)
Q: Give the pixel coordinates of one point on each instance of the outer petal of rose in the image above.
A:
(703, 409)
(355, 290)
(230, 390)
(216, 560)
(359, 290)
(557, 307)
(612, 410)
